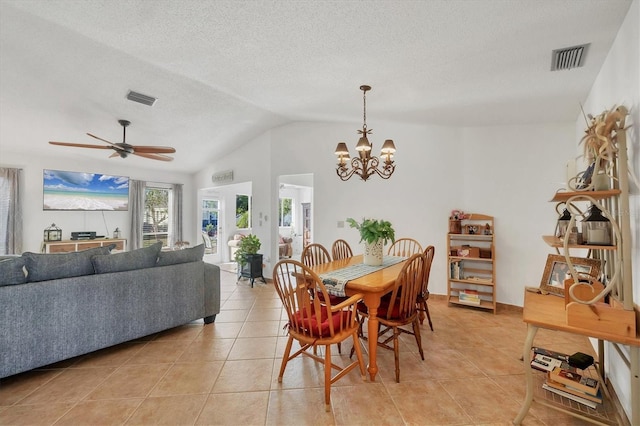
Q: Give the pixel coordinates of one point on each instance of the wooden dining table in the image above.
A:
(372, 286)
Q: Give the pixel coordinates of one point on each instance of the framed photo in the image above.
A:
(556, 271)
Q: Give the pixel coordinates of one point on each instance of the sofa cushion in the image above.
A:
(192, 254)
(53, 266)
(146, 257)
(12, 271)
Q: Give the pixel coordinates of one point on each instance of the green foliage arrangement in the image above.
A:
(372, 230)
(248, 245)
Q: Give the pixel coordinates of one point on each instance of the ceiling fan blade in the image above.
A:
(154, 156)
(100, 139)
(154, 149)
(81, 145)
(115, 154)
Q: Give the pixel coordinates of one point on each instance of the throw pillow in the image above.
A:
(11, 271)
(53, 266)
(192, 254)
(127, 261)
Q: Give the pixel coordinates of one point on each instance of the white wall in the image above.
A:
(509, 172)
(618, 83)
(35, 220)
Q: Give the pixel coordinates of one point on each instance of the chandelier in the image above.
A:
(365, 164)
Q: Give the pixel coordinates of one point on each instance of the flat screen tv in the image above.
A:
(84, 191)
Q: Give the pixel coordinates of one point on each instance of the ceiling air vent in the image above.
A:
(569, 57)
(140, 98)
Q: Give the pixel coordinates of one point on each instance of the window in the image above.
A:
(157, 202)
(285, 214)
(243, 209)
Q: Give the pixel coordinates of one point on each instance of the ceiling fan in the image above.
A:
(123, 149)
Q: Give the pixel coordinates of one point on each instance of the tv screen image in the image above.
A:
(84, 191)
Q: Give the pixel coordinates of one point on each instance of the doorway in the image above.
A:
(295, 199)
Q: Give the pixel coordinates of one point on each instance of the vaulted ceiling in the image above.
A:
(226, 71)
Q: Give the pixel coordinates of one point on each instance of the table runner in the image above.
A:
(335, 281)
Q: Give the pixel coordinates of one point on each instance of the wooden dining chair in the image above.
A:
(423, 296)
(405, 247)
(398, 310)
(341, 250)
(315, 254)
(313, 323)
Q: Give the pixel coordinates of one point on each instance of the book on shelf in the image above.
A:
(456, 272)
(546, 363)
(551, 354)
(574, 380)
(571, 396)
(469, 296)
(595, 398)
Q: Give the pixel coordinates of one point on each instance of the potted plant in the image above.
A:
(209, 229)
(375, 234)
(248, 259)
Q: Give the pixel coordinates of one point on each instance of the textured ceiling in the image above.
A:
(226, 71)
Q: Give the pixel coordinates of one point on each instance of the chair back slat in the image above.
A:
(406, 289)
(341, 250)
(315, 254)
(429, 252)
(405, 247)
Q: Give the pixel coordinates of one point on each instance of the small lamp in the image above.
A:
(563, 223)
(53, 233)
(596, 227)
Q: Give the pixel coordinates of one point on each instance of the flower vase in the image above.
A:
(373, 253)
(455, 226)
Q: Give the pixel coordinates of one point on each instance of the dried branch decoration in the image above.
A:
(600, 138)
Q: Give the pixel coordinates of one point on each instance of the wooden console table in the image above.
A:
(66, 246)
(548, 311)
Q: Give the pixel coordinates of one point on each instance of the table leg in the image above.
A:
(528, 374)
(373, 302)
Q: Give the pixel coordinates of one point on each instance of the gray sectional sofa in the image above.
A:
(58, 306)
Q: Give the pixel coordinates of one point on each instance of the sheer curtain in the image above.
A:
(136, 212)
(10, 211)
(176, 213)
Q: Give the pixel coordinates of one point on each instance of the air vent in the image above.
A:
(140, 98)
(569, 57)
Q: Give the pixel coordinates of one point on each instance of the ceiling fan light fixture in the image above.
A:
(141, 99)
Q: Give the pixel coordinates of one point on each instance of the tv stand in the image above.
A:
(66, 246)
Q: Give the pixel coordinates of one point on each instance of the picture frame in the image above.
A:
(556, 270)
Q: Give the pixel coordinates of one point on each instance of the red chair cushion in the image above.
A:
(321, 326)
(383, 309)
(333, 300)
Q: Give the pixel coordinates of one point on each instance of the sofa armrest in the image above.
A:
(211, 289)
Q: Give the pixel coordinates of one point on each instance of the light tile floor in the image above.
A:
(226, 373)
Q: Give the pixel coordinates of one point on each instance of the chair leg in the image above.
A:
(285, 358)
(396, 352)
(416, 332)
(426, 309)
(327, 379)
(358, 349)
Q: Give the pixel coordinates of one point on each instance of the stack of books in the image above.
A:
(565, 380)
(468, 296)
(575, 386)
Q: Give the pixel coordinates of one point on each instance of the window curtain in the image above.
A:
(136, 211)
(176, 213)
(10, 211)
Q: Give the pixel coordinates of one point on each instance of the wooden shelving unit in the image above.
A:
(471, 261)
(613, 321)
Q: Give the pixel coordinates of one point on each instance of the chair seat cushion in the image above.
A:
(321, 326)
(383, 309)
(333, 300)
